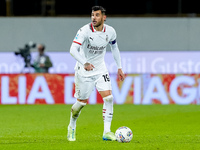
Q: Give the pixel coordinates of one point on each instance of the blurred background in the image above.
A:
(159, 37)
(142, 8)
(142, 25)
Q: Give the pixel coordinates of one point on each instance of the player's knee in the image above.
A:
(82, 101)
(108, 98)
(76, 108)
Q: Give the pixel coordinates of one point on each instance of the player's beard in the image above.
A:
(98, 23)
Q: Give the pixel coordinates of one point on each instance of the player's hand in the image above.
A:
(120, 75)
(88, 66)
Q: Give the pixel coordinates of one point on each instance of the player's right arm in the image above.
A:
(74, 52)
(77, 42)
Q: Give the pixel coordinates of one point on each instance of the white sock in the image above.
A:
(107, 112)
(76, 109)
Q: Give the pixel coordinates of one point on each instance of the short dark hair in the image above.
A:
(42, 47)
(95, 8)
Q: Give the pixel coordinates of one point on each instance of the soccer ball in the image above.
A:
(123, 134)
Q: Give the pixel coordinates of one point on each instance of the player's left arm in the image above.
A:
(117, 57)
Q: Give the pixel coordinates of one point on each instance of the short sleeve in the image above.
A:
(80, 37)
(113, 37)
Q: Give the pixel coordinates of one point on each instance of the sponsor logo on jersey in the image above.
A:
(96, 49)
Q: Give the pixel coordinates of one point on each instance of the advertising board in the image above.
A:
(135, 89)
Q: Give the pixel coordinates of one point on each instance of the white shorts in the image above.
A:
(85, 85)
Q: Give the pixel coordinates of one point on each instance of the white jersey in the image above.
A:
(93, 47)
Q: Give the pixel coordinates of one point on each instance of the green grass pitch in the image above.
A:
(44, 127)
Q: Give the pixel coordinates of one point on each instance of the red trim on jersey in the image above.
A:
(77, 42)
(104, 29)
(92, 27)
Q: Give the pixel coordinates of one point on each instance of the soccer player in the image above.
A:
(89, 48)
